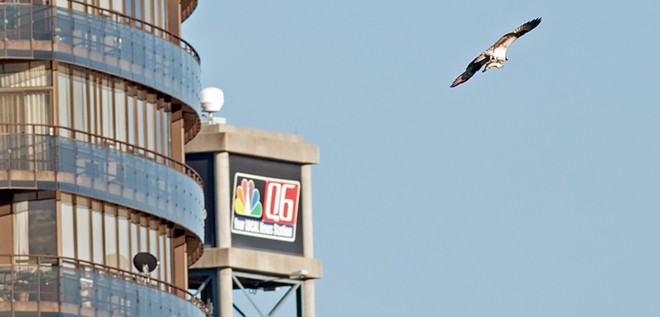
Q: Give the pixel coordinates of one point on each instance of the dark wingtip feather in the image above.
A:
(534, 23)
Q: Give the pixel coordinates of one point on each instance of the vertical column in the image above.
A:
(226, 299)
(223, 228)
(180, 264)
(223, 200)
(308, 237)
(309, 307)
(174, 17)
(177, 137)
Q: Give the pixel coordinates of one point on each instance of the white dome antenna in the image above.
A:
(212, 101)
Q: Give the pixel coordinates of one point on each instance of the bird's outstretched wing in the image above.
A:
(507, 39)
(471, 69)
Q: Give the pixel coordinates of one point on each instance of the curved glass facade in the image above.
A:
(81, 289)
(54, 162)
(54, 33)
(97, 99)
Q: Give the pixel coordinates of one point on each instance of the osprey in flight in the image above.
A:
(496, 54)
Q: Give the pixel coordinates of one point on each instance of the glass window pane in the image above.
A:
(166, 132)
(120, 112)
(153, 248)
(134, 242)
(131, 119)
(138, 9)
(37, 108)
(168, 260)
(25, 74)
(140, 120)
(129, 8)
(123, 243)
(147, 11)
(143, 239)
(97, 233)
(82, 230)
(150, 120)
(117, 5)
(93, 106)
(42, 227)
(111, 240)
(64, 100)
(106, 106)
(68, 240)
(159, 131)
(161, 256)
(9, 106)
(79, 104)
(21, 228)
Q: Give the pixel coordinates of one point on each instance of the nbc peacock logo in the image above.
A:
(265, 207)
(247, 201)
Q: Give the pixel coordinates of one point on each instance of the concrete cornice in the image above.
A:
(258, 261)
(252, 142)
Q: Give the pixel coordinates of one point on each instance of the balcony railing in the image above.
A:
(38, 156)
(67, 285)
(51, 130)
(47, 32)
(121, 18)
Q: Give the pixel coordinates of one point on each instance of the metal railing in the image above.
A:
(40, 278)
(121, 18)
(124, 19)
(53, 130)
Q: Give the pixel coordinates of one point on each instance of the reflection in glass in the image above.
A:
(25, 74)
(42, 227)
(25, 107)
(21, 228)
(37, 108)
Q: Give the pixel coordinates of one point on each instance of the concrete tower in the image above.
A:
(259, 257)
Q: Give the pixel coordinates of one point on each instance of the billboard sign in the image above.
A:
(265, 207)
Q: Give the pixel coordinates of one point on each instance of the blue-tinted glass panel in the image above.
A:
(83, 168)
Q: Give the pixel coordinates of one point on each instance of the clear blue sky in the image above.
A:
(532, 190)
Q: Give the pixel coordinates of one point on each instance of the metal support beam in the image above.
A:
(295, 285)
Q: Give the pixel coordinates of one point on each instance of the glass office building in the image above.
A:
(97, 99)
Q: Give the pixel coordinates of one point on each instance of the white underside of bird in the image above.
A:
(498, 53)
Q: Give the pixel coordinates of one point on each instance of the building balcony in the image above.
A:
(57, 158)
(105, 41)
(49, 285)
